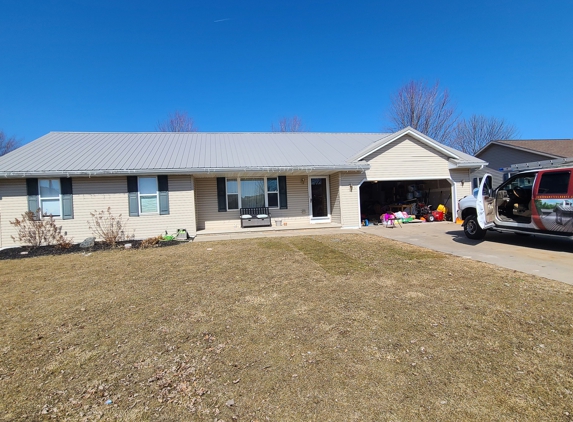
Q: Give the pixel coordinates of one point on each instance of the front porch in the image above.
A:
(253, 232)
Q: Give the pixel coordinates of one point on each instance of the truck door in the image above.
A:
(553, 201)
(485, 203)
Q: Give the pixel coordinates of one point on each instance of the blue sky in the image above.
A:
(112, 65)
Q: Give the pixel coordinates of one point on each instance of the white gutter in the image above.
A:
(89, 173)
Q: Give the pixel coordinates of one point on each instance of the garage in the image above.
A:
(401, 171)
(410, 196)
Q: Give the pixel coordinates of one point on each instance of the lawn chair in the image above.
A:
(389, 220)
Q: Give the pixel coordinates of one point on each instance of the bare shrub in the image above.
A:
(150, 241)
(37, 231)
(65, 243)
(109, 228)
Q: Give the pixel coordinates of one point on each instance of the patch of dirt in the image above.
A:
(50, 250)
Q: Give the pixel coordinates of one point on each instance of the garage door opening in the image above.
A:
(378, 197)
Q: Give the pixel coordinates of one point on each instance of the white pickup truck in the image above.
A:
(531, 202)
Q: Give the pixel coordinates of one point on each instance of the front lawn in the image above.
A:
(345, 327)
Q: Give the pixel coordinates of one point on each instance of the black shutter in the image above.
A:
(283, 193)
(67, 198)
(132, 189)
(222, 194)
(33, 194)
(163, 188)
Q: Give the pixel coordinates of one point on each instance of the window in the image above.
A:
(251, 192)
(148, 197)
(486, 187)
(554, 183)
(51, 196)
(50, 202)
(273, 192)
(232, 194)
(522, 181)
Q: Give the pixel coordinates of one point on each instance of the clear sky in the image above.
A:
(113, 65)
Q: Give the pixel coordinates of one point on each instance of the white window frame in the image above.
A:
(238, 193)
(148, 195)
(51, 198)
(272, 191)
(238, 180)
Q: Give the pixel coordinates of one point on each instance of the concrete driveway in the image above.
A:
(544, 257)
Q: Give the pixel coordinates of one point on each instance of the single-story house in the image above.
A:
(504, 153)
(199, 181)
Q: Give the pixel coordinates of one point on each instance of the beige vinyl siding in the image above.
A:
(461, 178)
(407, 159)
(97, 194)
(13, 203)
(461, 189)
(349, 199)
(335, 198)
(209, 217)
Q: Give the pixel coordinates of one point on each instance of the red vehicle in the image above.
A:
(531, 202)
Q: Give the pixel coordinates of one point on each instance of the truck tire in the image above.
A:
(472, 228)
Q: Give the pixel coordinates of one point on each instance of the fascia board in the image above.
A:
(190, 171)
(467, 165)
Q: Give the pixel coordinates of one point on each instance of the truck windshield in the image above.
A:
(525, 182)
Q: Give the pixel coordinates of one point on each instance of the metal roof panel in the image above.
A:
(120, 152)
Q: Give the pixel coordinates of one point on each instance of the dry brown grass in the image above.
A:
(347, 327)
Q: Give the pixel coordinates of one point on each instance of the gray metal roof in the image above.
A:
(74, 153)
(96, 153)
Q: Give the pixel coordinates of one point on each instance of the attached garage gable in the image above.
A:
(407, 158)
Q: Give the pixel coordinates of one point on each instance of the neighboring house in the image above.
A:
(502, 154)
(198, 181)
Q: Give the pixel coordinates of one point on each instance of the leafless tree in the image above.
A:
(287, 124)
(425, 108)
(476, 132)
(7, 144)
(179, 121)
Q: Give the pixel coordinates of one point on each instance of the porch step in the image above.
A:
(255, 232)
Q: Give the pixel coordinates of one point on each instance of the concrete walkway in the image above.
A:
(252, 234)
(544, 257)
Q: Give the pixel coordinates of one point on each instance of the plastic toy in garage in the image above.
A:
(424, 212)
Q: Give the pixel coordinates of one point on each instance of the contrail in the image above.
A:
(222, 20)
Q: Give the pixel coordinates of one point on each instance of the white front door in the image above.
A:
(319, 199)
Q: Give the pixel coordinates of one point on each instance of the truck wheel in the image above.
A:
(472, 229)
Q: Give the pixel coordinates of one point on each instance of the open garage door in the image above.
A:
(377, 197)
